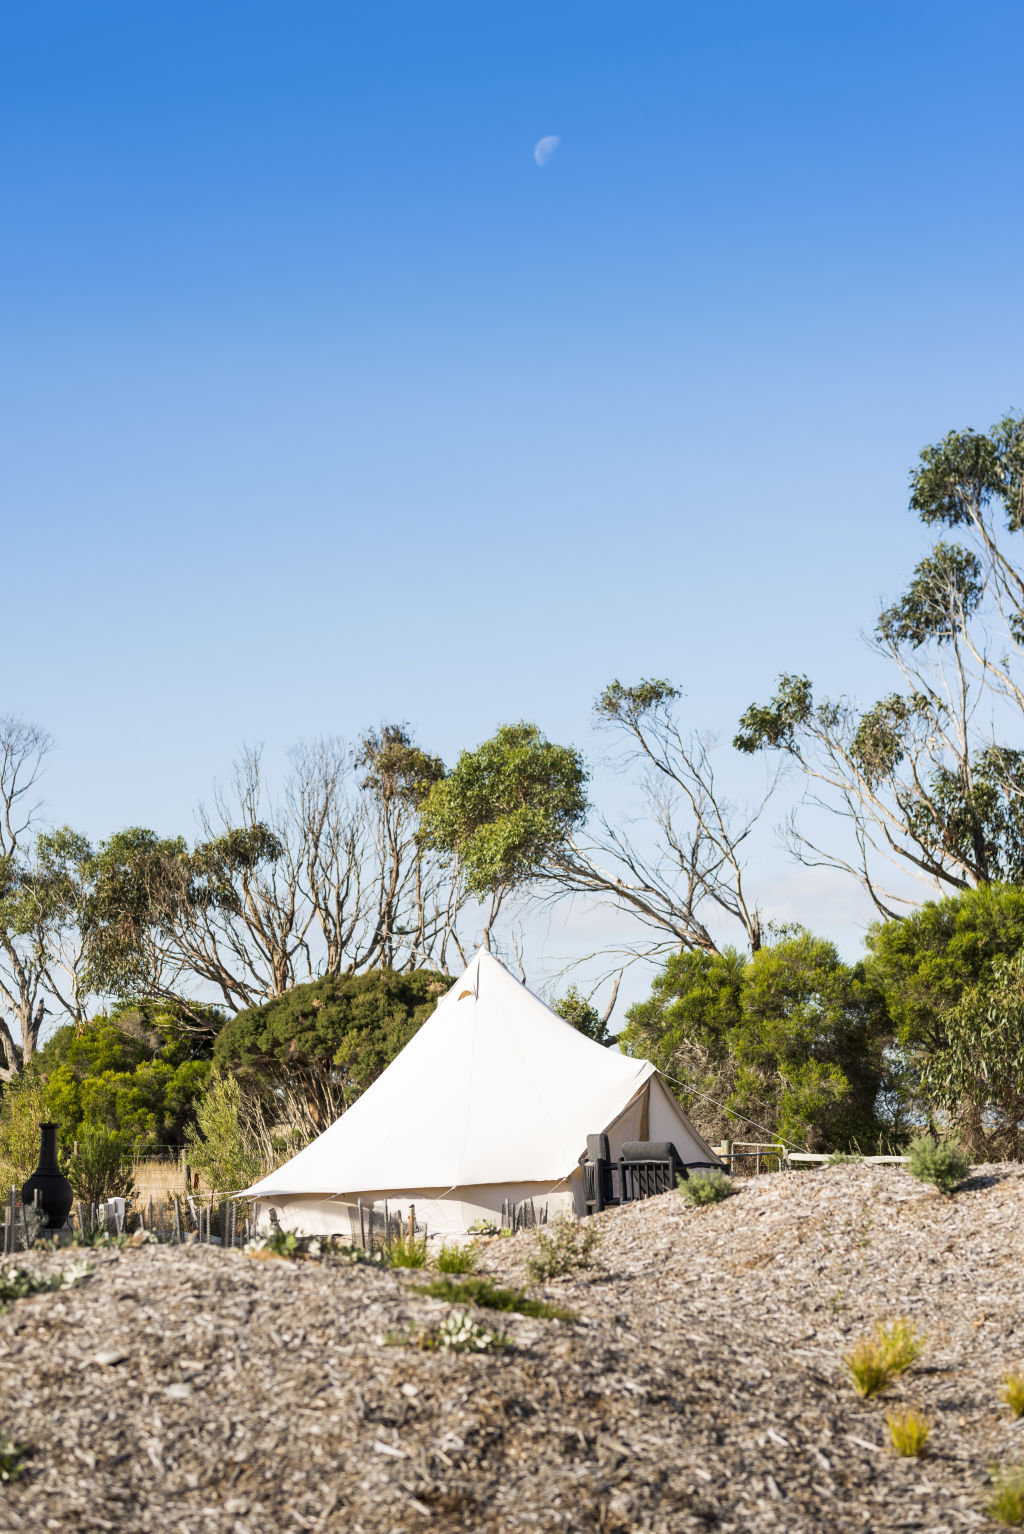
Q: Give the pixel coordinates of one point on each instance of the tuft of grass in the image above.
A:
(12, 1458)
(568, 1247)
(908, 1431)
(706, 1187)
(874, 1362)
(843, 1158)
(455, 1258)
(481, 1291)
(945, 1166)
(1013, 1393)
(1006, 1504)
(408, 1252)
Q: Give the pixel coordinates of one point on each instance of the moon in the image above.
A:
(544, 148)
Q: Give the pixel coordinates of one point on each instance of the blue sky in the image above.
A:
(323, 404)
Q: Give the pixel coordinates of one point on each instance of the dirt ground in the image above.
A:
(193, 1390)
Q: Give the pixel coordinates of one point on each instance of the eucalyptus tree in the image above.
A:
(927, 780)
(23, 929)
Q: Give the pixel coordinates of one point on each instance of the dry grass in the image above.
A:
(1006, 1504)
(1013, 1393)
(158, 1180)
(875, 1361)
(908, 1431)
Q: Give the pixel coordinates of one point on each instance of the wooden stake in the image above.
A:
(412, 1222)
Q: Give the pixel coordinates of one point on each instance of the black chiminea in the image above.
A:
(55, 1192)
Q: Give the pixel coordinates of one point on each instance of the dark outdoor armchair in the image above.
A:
(644, 1169)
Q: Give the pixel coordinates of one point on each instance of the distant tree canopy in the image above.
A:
(505, 807)
(133, 1072)
(790, 1038)
(326, 1042)
(584, 1017)
(926, 963)
(927, 778)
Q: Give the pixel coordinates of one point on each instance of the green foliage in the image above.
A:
(483, 1292)
(706, 1187)
(226, 1145)
(773, 726)
(1006, 1504)
(330, 1039)
(13, 1457)
(946, 587)
(925, 963)
(407, 1252)
(977, 1077)
(791, 1038)
(20, 1283)
(23, 1108)
(908, 1432)
(618, 704)
(396, 768)
(506, 807)
(562, 1249)
(282, 1243)
(943, 1165)
(456, 1258)
(138, 884)
(136, 1073)
(842, 1158)
(875, 1361)
(586, 1019)
(460, 1333)
(1013, 1393)
(965, 472)
(100, 1167)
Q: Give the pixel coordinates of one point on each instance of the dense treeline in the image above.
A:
(318, 925)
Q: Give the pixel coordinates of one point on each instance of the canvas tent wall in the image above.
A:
(492, 1099)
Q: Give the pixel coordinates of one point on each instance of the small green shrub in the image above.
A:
(1006, 1504)
(706, 1187)
(943, 1165)
(407, 1252)
(455, 1258)
(1013, 1393)
(12, 1458)
(843, 1158)
(568, 1247)
(457, 1333)
(483, 1228)
(874, 1362)
(19, 1283)
(101, 1166)
(908, 1432)
(481, 1291)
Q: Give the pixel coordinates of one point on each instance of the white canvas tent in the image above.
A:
(492, 1099)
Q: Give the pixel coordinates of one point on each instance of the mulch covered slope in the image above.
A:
(194, 1390)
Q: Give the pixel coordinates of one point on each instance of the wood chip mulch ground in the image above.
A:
(199, 1391)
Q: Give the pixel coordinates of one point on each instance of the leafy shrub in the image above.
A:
(483, 1228)
(229, 1145)
(1006, 1504)
(101, 1166)
(875, 1361)
(944, 1165)
(908, 1431)
(481, 1291)
(12, 1458)
(19, 1283)
(706, 1187)
(1013, 1393)
(455, 1258)
(459, 1333)
(407, 1252)
(567, 1248)
(843, 1158)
